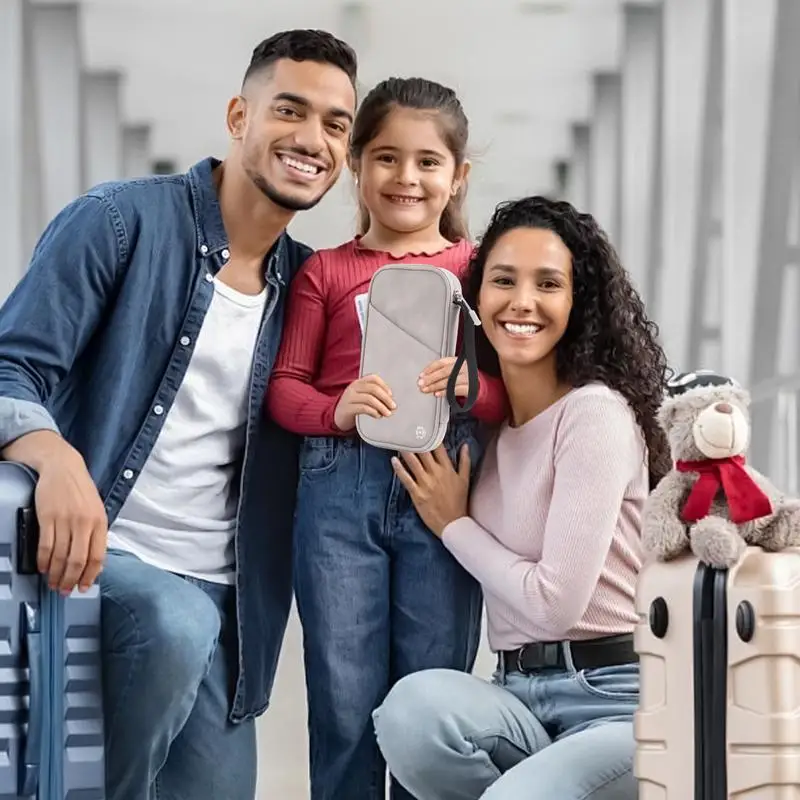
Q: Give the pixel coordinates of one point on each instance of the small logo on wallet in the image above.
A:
(420, 432)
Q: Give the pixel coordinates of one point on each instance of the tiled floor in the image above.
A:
(283, 748)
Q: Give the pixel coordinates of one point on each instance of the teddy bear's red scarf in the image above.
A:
(746, 501)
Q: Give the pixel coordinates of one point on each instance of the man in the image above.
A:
(134, 357)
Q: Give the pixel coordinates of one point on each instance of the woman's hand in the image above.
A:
(439, 493)
(433, 379)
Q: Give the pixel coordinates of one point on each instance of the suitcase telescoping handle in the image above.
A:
(471, 321)
(711, 682)
(27, 545)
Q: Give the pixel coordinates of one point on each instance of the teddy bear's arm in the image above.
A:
(664, 534)
(762, 530)
(778, 530)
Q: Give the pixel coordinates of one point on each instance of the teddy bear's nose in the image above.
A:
(724, 408)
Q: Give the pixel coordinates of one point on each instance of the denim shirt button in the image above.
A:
(203, 249)
(209, 277)
(158, 410)
(185, 340)
(127, 474)
(226, 254)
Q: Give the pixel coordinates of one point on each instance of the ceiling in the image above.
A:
(522, 69)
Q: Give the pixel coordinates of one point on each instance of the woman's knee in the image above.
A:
(411, 722)
(594, 764)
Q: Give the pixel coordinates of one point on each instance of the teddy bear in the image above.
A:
(711, 501)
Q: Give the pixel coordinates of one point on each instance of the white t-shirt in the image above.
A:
(181, 513)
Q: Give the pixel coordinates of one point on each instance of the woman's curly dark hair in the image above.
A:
(609, 337)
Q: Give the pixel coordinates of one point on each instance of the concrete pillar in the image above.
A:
(354, 25)
(774, 61)
(685, 45)
(781, 462)
(56, 54)
(604, 169)
(705, 295)
(103, 121)
(577, 191)
(164, 166)
(20, 190)
(762, 245)
(560, 179)
(136, 161)
(642, 95)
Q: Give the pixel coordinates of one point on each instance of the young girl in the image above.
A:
(378, 596)
(552, 529)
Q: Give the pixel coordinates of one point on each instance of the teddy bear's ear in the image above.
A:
(740, 395)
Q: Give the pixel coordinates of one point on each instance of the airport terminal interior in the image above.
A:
(676, 123)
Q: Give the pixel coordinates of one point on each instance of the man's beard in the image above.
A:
(281, 200)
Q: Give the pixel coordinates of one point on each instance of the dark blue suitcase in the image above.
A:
(51, 715)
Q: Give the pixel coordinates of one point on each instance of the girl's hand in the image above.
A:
(439, 493)
(433, 379)
(368, 395)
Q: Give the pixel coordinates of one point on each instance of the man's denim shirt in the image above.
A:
(95, 341)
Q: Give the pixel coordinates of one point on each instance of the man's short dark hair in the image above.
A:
(304, 45)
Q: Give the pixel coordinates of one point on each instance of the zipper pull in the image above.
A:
(459, 300)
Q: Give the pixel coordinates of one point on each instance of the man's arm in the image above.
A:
(54, 310)
(44, 326)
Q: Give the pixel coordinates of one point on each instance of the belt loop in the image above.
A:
(568, 660)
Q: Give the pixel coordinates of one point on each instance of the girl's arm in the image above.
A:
(598, 453)
(491, 405)
(292, 401)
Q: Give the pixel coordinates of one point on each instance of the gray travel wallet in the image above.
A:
(411, 319)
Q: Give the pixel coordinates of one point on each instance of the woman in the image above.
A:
(553, 529)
